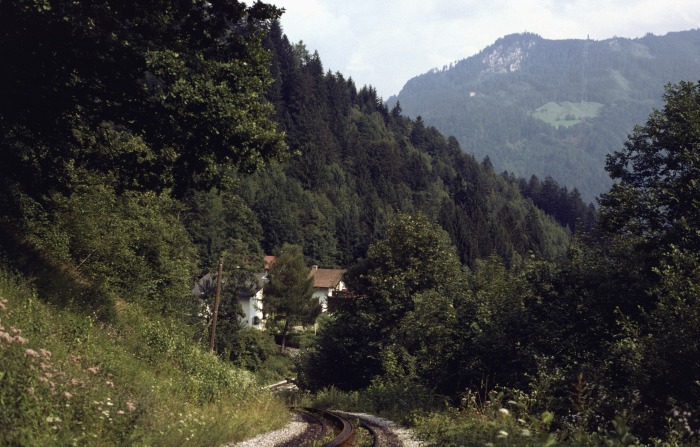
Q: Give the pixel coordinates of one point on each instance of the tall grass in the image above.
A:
(67, 379)
(491, 418)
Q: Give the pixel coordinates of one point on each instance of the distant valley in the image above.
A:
(552, 107)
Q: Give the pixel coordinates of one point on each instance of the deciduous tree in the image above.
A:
(657, 195)
(153, 95)
(401, 327)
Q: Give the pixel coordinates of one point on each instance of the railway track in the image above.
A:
(319, 428)
(337, 431)
(372, 433)
(382, 433)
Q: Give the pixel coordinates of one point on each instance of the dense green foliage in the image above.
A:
(604, 340)
(656, 198)
(401, 327)
(552, 107)
(251, 348)
(357, 164)
(113, 112)
(565, 206)
(140, 142)
(289, 294)
(149, 95)
(117, 119)
(654, 207)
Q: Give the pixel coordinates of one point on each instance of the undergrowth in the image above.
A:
(496, 418)
(68, 379)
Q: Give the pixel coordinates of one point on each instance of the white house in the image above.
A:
(326, 281)
(249, 297)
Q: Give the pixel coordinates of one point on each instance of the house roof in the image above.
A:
(251, 287)
(326, 278)
(269, 260)
(207, 285)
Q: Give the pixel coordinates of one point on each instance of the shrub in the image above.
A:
(397, 401)
(132, 244)
(250, 348)
(276, 368)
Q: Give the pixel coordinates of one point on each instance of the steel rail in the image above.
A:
(310, 413)
(347, 431)
(371, 431)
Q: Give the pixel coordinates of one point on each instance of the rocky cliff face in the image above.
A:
(506, 57)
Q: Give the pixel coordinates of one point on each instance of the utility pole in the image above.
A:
(216, 303)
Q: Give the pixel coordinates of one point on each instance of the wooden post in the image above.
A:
(216, 303)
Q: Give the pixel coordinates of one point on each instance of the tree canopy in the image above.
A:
(399, 328)
(148, 95)
(657, 194)
(289, 294)
(610, 328)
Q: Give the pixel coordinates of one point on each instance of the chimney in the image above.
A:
(314, 267)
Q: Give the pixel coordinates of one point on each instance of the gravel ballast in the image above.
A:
(390, 434)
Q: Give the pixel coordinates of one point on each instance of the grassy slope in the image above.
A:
(567, 113)
(66, 379)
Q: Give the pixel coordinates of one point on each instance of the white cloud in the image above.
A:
(385, 43)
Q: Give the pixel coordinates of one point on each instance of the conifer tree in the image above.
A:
(288, 296)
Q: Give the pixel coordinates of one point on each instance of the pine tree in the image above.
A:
(288, 295)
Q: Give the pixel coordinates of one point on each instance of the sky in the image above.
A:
(384, 43)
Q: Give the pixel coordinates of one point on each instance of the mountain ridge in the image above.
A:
(490, 101)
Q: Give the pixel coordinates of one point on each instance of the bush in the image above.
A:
(131, 243)
(296, 340)
(250, 348)
(394, 400)
(276, 368)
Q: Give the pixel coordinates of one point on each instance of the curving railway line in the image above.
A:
(340, 429)
(383, 432)
(322, 428)
(336, 430)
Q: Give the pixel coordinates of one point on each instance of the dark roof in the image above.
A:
(207, 285)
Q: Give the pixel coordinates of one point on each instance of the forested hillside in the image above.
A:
(552, 107)
(138, 144)
(597, 348)
(112, 114)
(357, 164)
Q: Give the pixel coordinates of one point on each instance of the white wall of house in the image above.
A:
(322, 294)
(252, 308)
